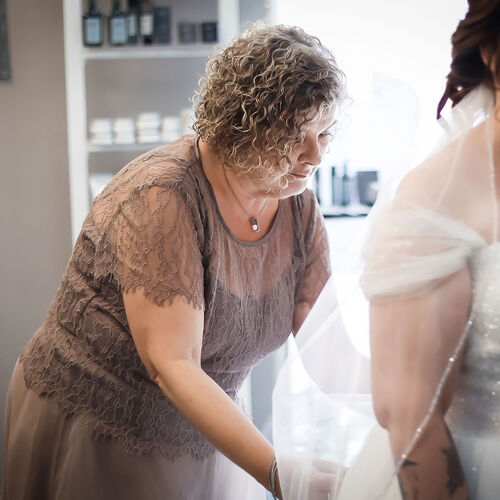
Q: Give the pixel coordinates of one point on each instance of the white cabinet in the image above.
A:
(85, 67)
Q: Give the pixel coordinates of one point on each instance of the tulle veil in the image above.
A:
(422, 230)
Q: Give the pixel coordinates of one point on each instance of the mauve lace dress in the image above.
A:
(84, 420)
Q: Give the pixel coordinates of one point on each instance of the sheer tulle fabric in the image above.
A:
(431, 268)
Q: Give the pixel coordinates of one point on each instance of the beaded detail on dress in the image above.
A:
(475, 409)
(156, 226)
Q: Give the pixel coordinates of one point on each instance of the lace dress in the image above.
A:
(84, 420)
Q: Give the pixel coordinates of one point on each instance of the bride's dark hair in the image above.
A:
(480, 29)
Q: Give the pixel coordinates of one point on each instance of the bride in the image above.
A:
(412, 410)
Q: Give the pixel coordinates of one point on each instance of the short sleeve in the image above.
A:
(151, 242)
(412, 248)
(317, 267)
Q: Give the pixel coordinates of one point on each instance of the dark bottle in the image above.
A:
(161, 24)
(118, 33)
(92, 26)
(209, 32)
(336, 187)
(346, 188)
(367, 187)
(186, 32)
(317, 189)
(133, 22)
(146, 22)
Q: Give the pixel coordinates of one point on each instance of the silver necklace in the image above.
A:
(253, 220)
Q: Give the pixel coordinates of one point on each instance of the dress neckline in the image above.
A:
(259, 242)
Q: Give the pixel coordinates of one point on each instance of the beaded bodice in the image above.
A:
(475, 408)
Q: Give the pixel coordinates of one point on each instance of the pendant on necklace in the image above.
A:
(254, 224)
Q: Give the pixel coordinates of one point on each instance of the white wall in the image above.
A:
(406, 40)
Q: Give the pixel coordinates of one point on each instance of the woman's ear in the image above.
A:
(489, 59)
(485, 55)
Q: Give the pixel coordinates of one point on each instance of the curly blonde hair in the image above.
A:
(255, 100)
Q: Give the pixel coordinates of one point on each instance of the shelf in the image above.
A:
(356, 210)
(153, 52)
(77, 62)
(117, 148)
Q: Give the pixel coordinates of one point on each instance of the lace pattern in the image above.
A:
(156, 226)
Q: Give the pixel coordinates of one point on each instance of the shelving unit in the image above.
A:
(354, 210)
(77, 58)
(153, 52)
(118, 148)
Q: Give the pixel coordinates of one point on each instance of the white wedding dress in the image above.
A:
(474, 414)
(323, 409)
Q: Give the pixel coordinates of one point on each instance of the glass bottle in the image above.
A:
(118, 33)
(317, 186)
(92, 26)
(133, 22)
(346, 187)
(146, 22)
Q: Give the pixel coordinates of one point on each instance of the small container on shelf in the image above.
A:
(171, 128)
(367, 182)
(148, 128)
(336, 187)
(92, 26)
(146, 22)
(161, 25)
(210, 32)
(347, 188)
(118, 30)
(317, 184)
(101, 132)
(186, 32)
(124, 131)
(133, 22)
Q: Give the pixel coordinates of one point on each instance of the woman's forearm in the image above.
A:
(216, 416)
(432, 469)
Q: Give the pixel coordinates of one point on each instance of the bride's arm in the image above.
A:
(412, 340)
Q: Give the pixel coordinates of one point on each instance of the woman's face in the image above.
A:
(306, 157)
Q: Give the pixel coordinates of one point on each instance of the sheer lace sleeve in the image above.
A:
(151, 242)
(317, 269)
(413, 247)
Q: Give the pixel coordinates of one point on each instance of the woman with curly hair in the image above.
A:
(197, 260)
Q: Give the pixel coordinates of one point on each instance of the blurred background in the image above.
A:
(87, 86)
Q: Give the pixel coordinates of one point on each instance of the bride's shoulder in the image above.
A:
(459, 169)
(454, 182)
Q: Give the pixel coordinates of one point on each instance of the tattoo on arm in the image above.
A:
(414, 480)
(409, 479)
(409, 463)
(456, 479)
